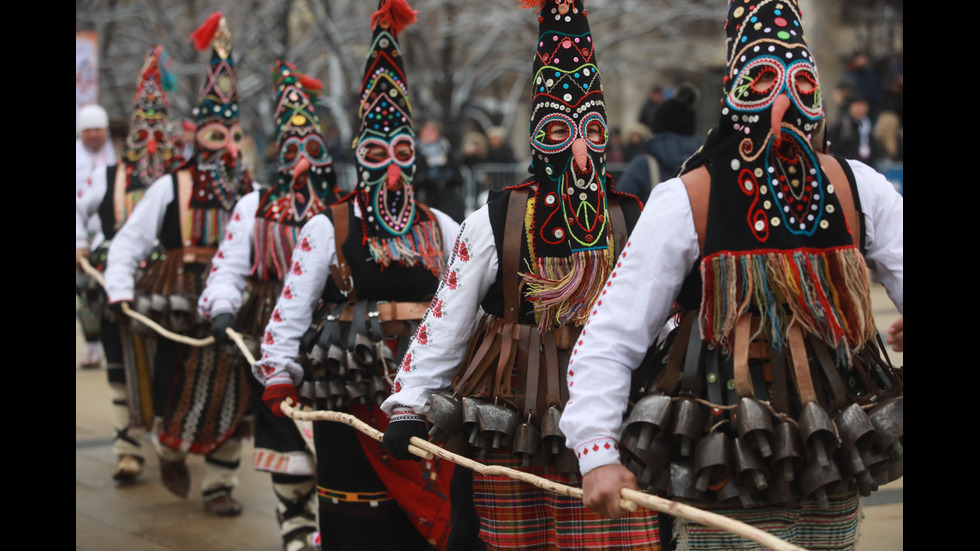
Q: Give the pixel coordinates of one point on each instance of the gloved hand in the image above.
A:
(404, 424)
(219, 324)
(275, 394)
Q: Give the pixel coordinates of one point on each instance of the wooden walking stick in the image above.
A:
(631, 498)
(303, 427)
(97, 276)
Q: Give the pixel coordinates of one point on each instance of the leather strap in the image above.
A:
(533, 373)
(513, 230)
(482, 358)
(552, 368)
(341, 271)
(838, 389)
(183, 178)
(740, 356)
(780, 383)
(801, 367)
(119, 196)
(667, 379)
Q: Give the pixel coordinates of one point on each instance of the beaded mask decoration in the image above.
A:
(305, 179)
(775, 226)
(219, 176)
(570, 234)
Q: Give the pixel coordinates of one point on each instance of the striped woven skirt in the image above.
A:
(806, 525)
(517, 515)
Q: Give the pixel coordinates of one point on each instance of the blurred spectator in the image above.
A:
(474, 149)
(437, 183)
(635, 134)
(433, 150)
(673, 141)
(499, 150)
(614, 149)
(92, 146)
(653, 101)
(860, 74)
(852, 137)
(891, 118)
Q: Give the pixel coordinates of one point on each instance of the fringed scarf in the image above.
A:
(824, 291)
(274, 244)
(420, 246)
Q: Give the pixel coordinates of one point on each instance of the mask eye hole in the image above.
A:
(595, 133)
(404, 152)
(292, 150)
(805, 83)
(314, 149)
(558, 132)
(375, 153)
(765, 80)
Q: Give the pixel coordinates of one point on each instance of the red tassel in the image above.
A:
(536, 4)
(201, 38)
(397, 14)
(310, 84)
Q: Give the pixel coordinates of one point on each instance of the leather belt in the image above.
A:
(391, 311)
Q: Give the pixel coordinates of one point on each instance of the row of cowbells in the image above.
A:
(474, 426)
(335, 393)
(176, 312)
(363, 361)
(759, 459)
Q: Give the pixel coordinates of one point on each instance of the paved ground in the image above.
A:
(145, 517)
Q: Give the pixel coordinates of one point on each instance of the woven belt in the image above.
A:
(373, 498)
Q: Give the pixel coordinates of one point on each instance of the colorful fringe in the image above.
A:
(825, 291)
(274, 243)
(422, 245)
(208, 226)
(564, 288)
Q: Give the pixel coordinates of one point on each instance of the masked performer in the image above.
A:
(773, 402)
(200, 397)
(387, 251)
(534, 260)
(254, 256)
(111, 193)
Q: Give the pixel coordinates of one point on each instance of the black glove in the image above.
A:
(402, 427)
(219, 324)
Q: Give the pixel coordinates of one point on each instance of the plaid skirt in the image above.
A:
(517, 515)
(806, 525)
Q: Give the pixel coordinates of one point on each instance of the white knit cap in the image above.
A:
(92, 116)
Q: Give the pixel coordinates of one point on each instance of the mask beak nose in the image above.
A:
(301, 167)
(779, 108)
(394, 176)
(581, 154)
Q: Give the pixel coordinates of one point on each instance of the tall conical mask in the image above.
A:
(219, 174)
(385, 144)
(775, 222)
(305, 178)
(148, 152)
(568, 137)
